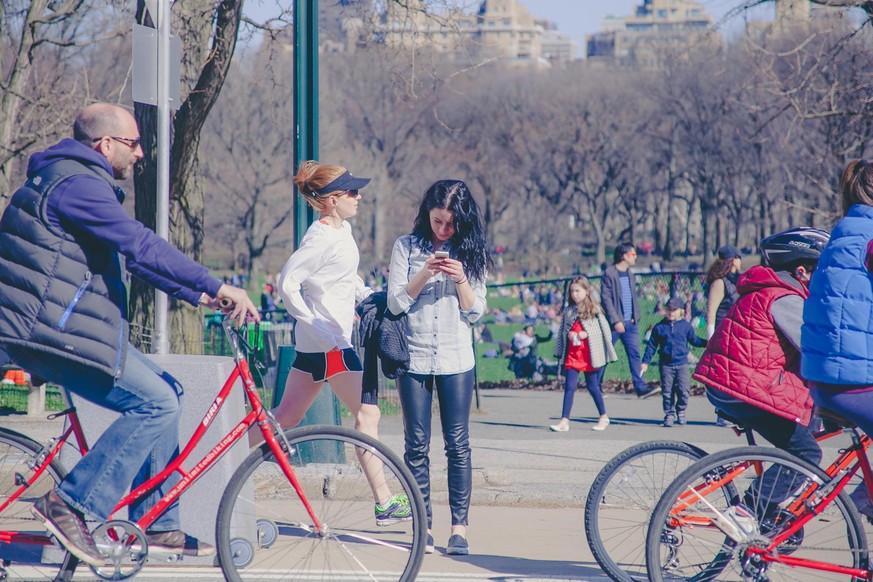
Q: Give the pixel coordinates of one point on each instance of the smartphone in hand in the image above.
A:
(441, 254)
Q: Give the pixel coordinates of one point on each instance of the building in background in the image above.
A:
(655, 27)
(659, 28)
(500, 31)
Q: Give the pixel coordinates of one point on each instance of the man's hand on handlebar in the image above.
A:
(241, 306)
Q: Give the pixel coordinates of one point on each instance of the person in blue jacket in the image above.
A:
(63, 317)
(836, 338)
(670, 337)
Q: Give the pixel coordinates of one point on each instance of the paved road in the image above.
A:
(529, 483)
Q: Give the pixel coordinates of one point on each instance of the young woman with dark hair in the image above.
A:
(437, 277)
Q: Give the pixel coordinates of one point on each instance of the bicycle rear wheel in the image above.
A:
(621, 500)
(40, 557)
(263, 530)
(685, 542)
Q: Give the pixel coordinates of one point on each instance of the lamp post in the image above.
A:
(305, 101)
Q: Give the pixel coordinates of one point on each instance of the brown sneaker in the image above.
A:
(177, 542)
(67, 525)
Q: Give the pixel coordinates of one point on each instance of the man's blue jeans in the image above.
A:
(631, 340)
(139, 444)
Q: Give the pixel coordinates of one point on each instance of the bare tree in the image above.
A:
(246, 168)
(580, 164)
(488, 117)
(42, 80)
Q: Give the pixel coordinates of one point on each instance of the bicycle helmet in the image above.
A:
(785, 250)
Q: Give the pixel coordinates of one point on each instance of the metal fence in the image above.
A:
(511, 306)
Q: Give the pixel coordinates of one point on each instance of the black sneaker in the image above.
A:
(642, 395)
(68, 526)
(428, 546)
(457, 546)
(177, 542)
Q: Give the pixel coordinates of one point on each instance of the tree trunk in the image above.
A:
(142, 295)
(208, 48)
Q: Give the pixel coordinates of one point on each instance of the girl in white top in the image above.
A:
(320, 286)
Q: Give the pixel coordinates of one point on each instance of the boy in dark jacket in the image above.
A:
(670, 337)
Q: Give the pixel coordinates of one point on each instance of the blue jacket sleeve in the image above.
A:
(693, 338)
(86, 205)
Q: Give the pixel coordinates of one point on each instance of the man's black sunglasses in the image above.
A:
(131, 142)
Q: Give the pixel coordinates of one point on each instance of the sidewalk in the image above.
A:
(529, 484)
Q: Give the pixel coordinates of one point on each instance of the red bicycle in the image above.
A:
(755, 513)
(300, 506)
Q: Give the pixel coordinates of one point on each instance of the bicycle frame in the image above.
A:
(257, 415)
(805, 504)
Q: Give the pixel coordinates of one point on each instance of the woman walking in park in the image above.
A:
(584, 344)
(320, 286)
(721, 288)
(721, 285)
(437, 277)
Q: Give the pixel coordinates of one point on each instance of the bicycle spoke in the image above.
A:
(621, 500)
(349, 544)
(719, 523)
(31, 555)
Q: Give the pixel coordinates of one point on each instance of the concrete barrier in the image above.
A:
(201, 377)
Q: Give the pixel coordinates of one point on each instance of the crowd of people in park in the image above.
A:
(779, 338)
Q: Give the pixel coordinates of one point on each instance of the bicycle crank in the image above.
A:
(124, 546)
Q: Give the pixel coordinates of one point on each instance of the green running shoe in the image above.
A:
(395, 510)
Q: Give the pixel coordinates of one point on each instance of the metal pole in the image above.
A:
(161, 344)
(305, 101)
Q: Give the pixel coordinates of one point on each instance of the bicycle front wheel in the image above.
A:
(26, 551)
(621, 500)
(719, 520)
(264, 530)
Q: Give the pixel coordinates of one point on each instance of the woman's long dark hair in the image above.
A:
(718, 270)
(469, 244)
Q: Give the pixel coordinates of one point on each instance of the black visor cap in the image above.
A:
(343, 183)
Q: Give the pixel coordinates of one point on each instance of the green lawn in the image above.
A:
(496, 369)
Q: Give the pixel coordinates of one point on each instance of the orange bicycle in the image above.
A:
(300, 507)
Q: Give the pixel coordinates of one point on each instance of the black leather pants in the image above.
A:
(455, 394)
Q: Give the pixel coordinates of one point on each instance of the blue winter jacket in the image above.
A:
(836, 339)
(62, 289)
(83, 205)
(671, 339)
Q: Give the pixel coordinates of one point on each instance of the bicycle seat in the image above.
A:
(829, 416)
